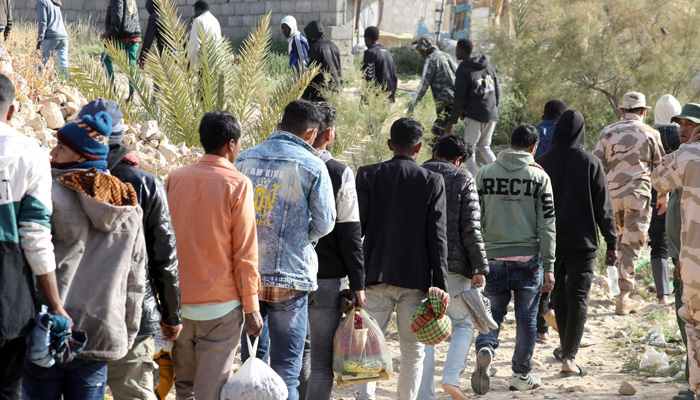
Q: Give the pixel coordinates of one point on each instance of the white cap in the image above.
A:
(665, 109)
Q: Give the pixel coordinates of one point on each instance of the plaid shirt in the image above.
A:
(274, 294)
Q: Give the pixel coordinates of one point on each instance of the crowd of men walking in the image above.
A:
(267, 241)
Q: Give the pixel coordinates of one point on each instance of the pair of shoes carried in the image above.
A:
(524, 382)
(627, 306)
(581, 372)
(551, 320)
(479, 309)
(480, 377)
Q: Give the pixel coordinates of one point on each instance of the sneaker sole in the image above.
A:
(480, 378)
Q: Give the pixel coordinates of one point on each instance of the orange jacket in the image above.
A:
(211, 205)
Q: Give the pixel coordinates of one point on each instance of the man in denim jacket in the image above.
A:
(294, 207)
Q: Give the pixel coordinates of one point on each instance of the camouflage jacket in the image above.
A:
(438, 74)
(681, 170)
(629, 150)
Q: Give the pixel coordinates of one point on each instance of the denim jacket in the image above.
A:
(294, 208)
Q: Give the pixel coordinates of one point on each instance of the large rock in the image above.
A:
(71, 94)
(58, 99)
(148, 129)
(170, 152)
(53, 116)
(36, 123)
(72, 108)
(27, 109)
(626, 389)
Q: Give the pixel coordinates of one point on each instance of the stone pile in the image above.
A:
(42, 119)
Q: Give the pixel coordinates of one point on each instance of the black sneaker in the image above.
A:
(480, 376)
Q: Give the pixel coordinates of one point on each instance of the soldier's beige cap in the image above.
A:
(634, 100)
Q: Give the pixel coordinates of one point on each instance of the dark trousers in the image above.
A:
(658, 238)
(443, 117)
(573, 277)
(545, 305)
(11, 364)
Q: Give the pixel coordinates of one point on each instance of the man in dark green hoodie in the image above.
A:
(519, 233)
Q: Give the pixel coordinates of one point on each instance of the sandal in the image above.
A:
(581, 372)
(559, 354)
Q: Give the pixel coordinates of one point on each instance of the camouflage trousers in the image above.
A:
(632, 217)
(690, 314)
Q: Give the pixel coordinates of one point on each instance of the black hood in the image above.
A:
(479, 62)
(57, 2)
(314, 31)
(570, 130)
(150, 6)
(117, 151)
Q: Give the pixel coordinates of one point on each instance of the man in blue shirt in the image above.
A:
(552, 111)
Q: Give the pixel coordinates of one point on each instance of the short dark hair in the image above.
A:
(328, 115)
(7, 92)
(406, 133)
(466, 45)
(300, 115)
(524, 136)
(553, 110)
(372, 33)
(201, 5)
(634, 110)
(217, 128)
(452, 146)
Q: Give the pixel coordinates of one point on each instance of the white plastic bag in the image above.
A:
(161, 344)
(658, 360)
(255, 380)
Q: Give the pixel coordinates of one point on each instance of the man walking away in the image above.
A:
(294, 208)
(122, 26)
(552, 111)
(689, 120)
(339, 255)
(666, 108)
(583, 205)
(132, 376)
(298, 45)
(378, 64)
(477, 95)
(439, 75)
(52, 37)
(466, 262)
(153, 32)
(630, 150)
(6, 18)
(326, 54)
(400, 196)
(681, 170)
(26, 247)
(519, 231)
(204, 25)
(218, 253)
(99, 245)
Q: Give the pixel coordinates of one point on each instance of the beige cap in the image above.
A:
(634, 100)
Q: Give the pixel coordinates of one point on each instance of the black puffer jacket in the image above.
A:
(465, 247)
(122, 20)
(162, 273)
(153, 32)
(326, 54)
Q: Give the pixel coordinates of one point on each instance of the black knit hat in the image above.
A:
(553, 109)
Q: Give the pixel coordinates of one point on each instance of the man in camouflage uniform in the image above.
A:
(681, 170)
(689, 119)
(439, 75)
(629, 150)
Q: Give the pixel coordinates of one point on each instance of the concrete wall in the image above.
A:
(236, 17)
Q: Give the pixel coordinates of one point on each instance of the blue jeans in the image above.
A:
(286, 322)
(462, 335)
(76, 380)
(524, 280)
(60, 48)
(324, 319)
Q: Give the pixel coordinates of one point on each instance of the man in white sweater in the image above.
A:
(204, 24)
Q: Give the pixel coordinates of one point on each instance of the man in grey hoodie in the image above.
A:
(52, 37)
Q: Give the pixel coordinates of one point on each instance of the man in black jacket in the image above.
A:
(378, 64)
(582, 204)
(326, 54)
(477, 95)
(402, 212)
(466, 261)
(122, 26)
(339, 256)
(132, 376)
(153, 32)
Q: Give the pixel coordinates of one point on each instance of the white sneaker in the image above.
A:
(479, 308)
(524, 382)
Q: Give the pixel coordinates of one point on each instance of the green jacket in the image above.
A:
(517, 208)
(673, 223)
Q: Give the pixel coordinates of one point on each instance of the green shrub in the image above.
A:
(407, 61)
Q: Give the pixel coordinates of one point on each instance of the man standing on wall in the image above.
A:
(122, 26)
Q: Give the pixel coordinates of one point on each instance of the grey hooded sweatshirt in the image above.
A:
(50, 20)
(100, 257)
